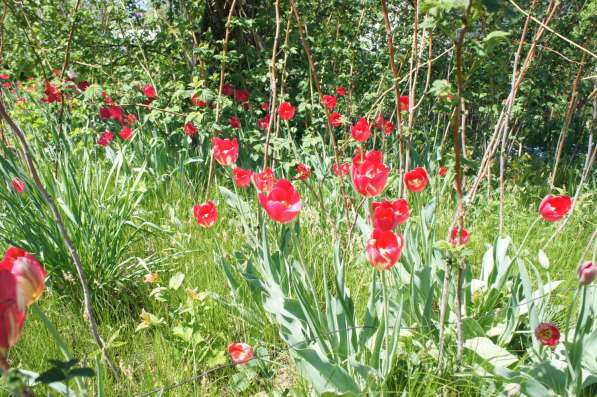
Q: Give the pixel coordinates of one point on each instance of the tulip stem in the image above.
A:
(385, 320)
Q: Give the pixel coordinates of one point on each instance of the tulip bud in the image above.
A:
(28, 273)
(586, 273)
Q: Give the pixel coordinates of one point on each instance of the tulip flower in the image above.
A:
(11, 317)
(404, 103)
(416, 180)
(389, 214)
(18, 185)
(302, 172)
(126, 133)
(29, 275)
(197, 101)
(384, 249)
(241, 96)
(554, 208)
(241, 353)
(206, 214)
(225, 151)
(242, 178)
(149, 92)
(361, 131)
(369, 173)
(282, 203)
(388, 127)
(227, 90)
(105, 139)
(341, 170)
(264, 106)
(442, 171)
(286, 111)
(455, 237)
(586, 273)
(335, 119)
(4, 76)
(329, 101)
(263, 122)
(548, 334)
(264, 180)
(235, 122)
(190, 129)
(341, 91)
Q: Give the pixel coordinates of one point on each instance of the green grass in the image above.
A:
(149, 360)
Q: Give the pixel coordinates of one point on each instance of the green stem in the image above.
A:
(386, 318)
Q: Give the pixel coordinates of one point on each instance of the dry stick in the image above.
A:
(220, 88)
(412, 82)
(458, 44)
(567, 120)
(390, 43)
(63, 232)
(272, 105)
(507, 109)
(329, 128)
(282, 79)
(69, 42)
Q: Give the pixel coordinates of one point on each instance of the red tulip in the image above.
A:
(149, 91)
(455, 236)
(105, 139)
(104, 113)
(361, 131)
(282, 203)
(548, 334)
(586, 273)
(341, 91)
(264, 106)
(197, 101)
(329, 101)
(442, 171)
(126, 133)
(384, 249)
(4, 76)
(302, 172)
(29, 275)
(286, 111)
(404, 103)
(206, 214)
(18, 185)
(335, 119)
(416, 180)
(389, 214)
(369, 173)
(241, 353)
(11, 318)
(190, 129)
(225, 151)
(554, 208)
(227, 90)
(264, 180)
(263, 122)
(241, 96)
(379, 121)
(116, 113)
(235, 122)
(83, 85)
(52, 93)
(388, 127)
(242, 178)
(131, 119)
(341, 170)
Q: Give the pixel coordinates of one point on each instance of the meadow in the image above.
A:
(298, 198)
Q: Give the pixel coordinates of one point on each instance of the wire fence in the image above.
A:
(278, 349)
